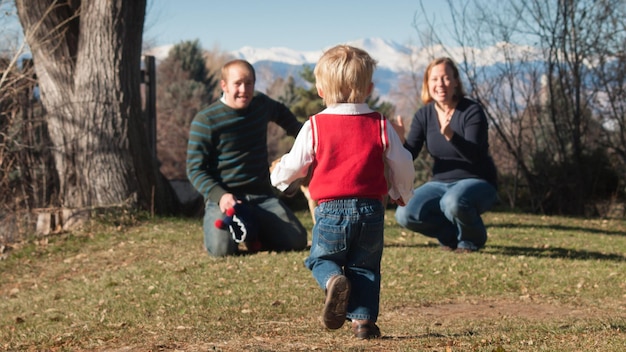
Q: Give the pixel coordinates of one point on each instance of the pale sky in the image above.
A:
(295, 24)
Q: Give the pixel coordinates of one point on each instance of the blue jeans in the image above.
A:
(348, 239)
(450, 212)
(279, 228)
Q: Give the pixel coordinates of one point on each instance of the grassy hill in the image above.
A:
(130, 283)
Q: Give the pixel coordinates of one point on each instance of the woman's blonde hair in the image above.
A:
(344, 74)
(459, 92)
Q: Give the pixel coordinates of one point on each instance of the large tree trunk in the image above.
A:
(87, 58)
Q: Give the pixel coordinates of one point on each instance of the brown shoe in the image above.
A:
(365, 329)
(336, 305)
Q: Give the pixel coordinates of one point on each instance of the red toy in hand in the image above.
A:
(239, 221)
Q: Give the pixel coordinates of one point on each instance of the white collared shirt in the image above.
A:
(398, 161)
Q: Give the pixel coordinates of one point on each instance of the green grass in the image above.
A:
(133, 284)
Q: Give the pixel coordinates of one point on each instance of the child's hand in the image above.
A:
(273, 165)
(398, 126)
(399, 201)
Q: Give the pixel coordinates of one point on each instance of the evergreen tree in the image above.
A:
(184, 86)
(385, 108)
(309, 103)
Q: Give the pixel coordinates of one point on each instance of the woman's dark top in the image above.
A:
(466, 154)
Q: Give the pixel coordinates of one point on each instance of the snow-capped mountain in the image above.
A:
(393, 60)
(389, 54)
(396, 62)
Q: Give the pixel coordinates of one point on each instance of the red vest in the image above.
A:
(349, 152)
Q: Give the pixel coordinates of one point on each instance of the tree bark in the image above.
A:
(87, 59)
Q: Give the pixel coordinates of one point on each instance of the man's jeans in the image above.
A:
(279, 228)
(348, 239)
(450, 212)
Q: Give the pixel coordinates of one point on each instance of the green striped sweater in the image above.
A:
(227, 148)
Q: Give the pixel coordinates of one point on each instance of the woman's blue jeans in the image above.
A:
(348, 239)
(450, 212)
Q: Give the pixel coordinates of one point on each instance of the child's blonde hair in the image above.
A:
(344, 75)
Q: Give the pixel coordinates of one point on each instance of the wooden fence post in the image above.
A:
(148, 103)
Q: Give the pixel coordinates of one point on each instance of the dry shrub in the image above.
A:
(27, 175)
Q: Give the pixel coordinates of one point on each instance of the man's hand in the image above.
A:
(227, 201)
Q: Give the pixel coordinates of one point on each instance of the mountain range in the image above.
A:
(393, 60)
(282, 62)
(397, 63)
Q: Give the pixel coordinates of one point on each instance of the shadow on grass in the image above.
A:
(412, 337)
(427, 335)
(554, 252)
(559, 228)
(549, 252)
